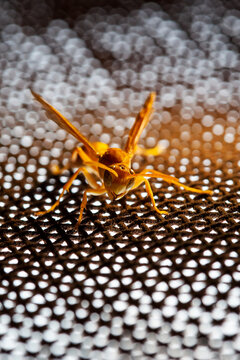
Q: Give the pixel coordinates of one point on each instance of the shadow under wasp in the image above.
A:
(111, 166)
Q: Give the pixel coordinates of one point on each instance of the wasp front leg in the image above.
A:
(138, 181)
(96, 192)
(92, 182)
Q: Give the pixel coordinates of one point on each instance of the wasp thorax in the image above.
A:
(114, 156)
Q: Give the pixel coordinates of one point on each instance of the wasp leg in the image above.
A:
(172, 180)
(66, 187)
(99, 191)
(138, 181)
(81, 153)
(56, 170)
(155, 151)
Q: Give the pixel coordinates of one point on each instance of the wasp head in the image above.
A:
(118, 186)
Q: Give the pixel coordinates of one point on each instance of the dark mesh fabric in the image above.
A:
(130, 284)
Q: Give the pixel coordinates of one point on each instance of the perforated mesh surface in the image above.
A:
(131, 284)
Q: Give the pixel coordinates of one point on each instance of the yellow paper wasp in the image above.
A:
(112, 166)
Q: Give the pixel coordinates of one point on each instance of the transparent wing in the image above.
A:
(61, 121)
(140, 123)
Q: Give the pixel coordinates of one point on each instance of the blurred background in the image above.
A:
(131, 284)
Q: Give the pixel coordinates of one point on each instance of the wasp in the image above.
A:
(108, 169)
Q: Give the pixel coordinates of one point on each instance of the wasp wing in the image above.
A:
(60, 120)
(140, 123)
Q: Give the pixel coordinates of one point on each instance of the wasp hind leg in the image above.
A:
(172, 180)
(56, 170)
